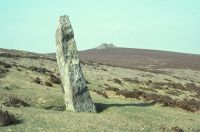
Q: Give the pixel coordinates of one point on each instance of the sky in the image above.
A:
(172, 25)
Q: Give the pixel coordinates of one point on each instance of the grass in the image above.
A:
(47, 113)
(114, 118)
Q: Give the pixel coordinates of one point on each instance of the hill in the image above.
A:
(127, 99)
(141, 58)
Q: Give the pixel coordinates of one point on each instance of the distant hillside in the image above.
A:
(141, 58)
(124, 57)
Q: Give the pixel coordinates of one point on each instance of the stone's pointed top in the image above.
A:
(64, 16)
(63, 19)
(64, 30)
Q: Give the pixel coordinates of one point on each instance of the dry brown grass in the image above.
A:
(6, 65)
(54, 79)
(15, 102)
(101, 93)
(177, 129)
(7, 119)
(191, 105)
(39, 69)
(117, 81)
(37, 80)
(130, 80)
(47, 83)
(3, 72)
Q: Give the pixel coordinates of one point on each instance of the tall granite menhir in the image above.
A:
(76, 94)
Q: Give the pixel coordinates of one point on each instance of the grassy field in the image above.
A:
(115, 113)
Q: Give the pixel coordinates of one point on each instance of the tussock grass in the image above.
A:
(15, 102)
(54, 79)
(47, 83)
(7, 119)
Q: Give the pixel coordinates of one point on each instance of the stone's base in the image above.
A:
(77, 97)
(84, 103)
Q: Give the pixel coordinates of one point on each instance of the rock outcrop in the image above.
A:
(76, 94)
(105, 46)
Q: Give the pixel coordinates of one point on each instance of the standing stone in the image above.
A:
(76, 94)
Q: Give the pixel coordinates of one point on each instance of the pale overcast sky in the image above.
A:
(172, 25)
